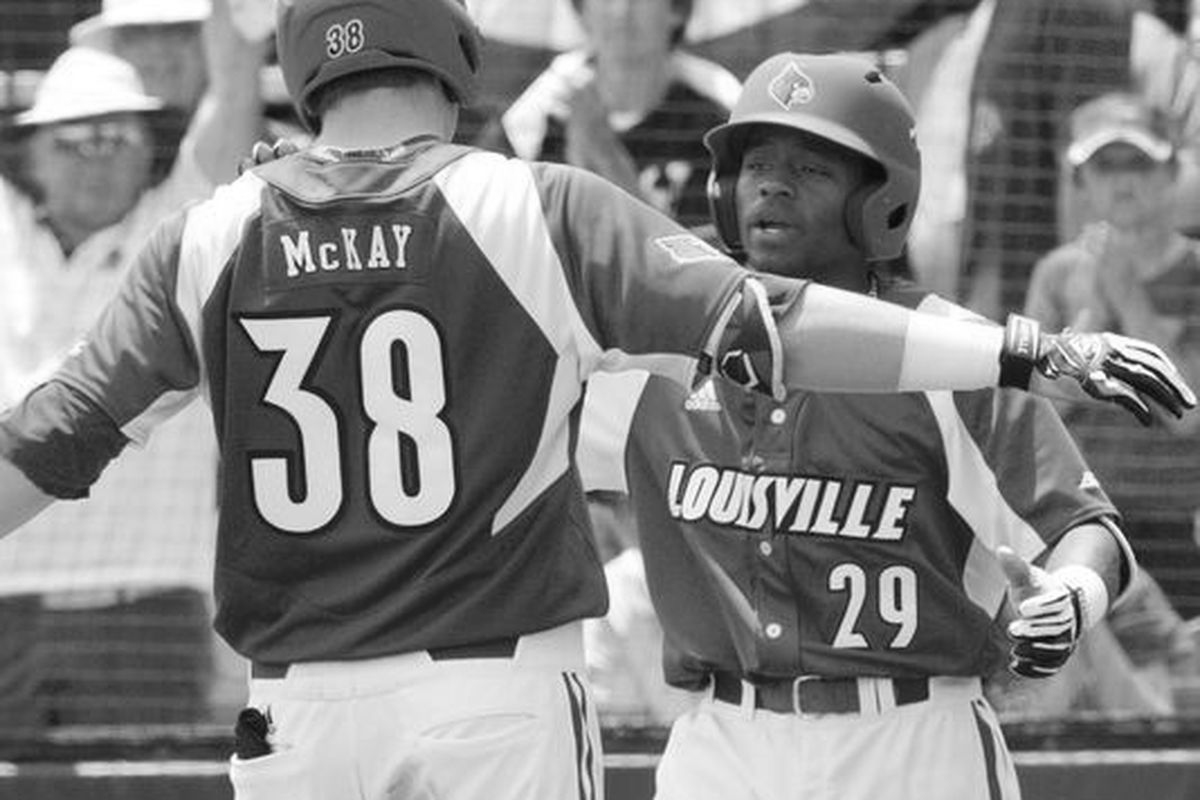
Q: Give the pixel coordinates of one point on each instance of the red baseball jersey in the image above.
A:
(393, 344)
(832, 534)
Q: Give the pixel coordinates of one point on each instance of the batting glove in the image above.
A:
(1053, 609)
(1109, 367)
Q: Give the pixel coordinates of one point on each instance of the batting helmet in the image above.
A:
(319, 41)
(845, 100)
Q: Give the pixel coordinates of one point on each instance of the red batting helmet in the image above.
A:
(849, 102)
(319, 41)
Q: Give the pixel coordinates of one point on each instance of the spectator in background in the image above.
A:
(991, 89)
(630, 105)
(105, 614)
(1131, 272)
(162, 39)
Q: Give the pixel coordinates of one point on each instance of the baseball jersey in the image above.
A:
(393, 343)
(832, 535)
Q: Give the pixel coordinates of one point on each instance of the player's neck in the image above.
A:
(385, 117)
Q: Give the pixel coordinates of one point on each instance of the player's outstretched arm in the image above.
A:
(833, 340)
(20, 499)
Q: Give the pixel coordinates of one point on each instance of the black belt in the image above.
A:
(505, 647)
(814, 695)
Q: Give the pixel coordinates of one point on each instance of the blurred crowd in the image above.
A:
(1061, 178)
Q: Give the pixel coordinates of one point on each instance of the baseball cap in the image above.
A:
(1118, 117)
(117, 13)
(83, 83)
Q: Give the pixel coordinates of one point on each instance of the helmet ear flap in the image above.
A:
(722, 205)
(854, 215)
(876, 221)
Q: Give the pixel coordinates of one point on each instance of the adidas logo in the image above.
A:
(703, 399)
(1088, 481)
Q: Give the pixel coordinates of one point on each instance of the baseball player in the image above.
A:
(827, 567)
(393, 334)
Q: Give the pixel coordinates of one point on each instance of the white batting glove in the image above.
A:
(1053, 609)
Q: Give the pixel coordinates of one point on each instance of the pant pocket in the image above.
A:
(282, 774)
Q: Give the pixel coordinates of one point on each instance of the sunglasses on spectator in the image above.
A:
(97, 139)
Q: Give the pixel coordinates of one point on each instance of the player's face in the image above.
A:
(1127, 188)
(791, 198)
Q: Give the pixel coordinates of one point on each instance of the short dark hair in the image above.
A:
(684, 7)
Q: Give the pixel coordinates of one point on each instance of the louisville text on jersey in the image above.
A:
(789, 503)
(352, 249)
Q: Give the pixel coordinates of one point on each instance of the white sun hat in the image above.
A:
(118, 13)
(83, 83)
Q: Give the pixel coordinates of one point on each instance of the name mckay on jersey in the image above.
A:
(350, 249)
(788, 503)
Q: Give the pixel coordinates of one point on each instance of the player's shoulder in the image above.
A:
(912, 295)
(552, 174)
(594, 201)
(228, 206)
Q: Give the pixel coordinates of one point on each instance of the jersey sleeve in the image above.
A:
(1039, 469)
(1016, 476)
(649, 290)
(137, 366)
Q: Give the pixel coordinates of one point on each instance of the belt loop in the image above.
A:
(868, 699)
(749, 695)
(886, 693)
(797, 706)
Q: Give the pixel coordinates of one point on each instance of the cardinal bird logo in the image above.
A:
(791, 87)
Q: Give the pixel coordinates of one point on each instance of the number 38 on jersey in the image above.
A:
(410, 450)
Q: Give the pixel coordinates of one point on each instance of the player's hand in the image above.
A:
(1049, 617)
(264, 153)
(1117, 369)
(1109, 367)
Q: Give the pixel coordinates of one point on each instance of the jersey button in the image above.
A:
(778, 416)
(765, 548)
(774, 630)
